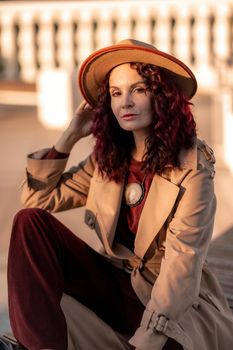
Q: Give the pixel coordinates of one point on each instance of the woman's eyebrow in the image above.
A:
(138, 82)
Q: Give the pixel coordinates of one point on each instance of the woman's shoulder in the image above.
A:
(200, 155)
(205, 154)
(192, 160)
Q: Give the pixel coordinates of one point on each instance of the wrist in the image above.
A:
(67, 141)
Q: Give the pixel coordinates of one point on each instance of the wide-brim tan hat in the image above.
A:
(94, 69)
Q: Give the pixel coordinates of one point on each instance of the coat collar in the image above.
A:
(105, 200)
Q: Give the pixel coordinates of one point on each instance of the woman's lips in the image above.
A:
(128, 116)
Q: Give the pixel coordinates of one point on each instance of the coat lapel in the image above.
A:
(104, 201)
(107, 199)
(159, 203)
(161, 199)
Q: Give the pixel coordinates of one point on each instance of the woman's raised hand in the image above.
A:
(79, 127)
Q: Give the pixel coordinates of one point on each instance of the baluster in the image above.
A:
(182, 33)
(206, 76)
(26, 43)
(104, 35)
(84, 35)
(65, 50)
(142, 29)
(222, 32)
(201, 36)
(46, 41)
(123, 25)
(161, 32)
(8, 47)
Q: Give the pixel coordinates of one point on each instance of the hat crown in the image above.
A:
(136, 43)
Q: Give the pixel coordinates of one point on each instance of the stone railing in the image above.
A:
(45, 42)
(44, 35)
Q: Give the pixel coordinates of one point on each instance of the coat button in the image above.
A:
(196, 305)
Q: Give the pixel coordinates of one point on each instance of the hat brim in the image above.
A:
(94, 69)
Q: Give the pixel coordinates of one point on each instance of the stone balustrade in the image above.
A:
(46, 35)
(45, 42)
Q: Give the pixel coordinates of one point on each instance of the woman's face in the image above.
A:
(130, 99)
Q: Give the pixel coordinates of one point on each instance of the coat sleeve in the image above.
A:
(47, 186)
(187, 240)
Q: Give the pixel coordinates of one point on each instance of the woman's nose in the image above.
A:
(127, 101)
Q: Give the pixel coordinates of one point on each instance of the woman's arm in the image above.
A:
(46, 185)
(188, 236)
(79, 127)
(187, 241)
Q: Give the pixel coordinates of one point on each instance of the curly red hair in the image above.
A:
(172, 129)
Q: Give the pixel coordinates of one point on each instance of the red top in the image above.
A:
(129, 216)
(54, 154)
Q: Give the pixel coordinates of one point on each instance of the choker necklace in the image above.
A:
(134, 193)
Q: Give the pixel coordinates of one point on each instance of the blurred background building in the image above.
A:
(42, 44)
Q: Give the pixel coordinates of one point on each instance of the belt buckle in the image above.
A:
(127, 267)
(160, 324)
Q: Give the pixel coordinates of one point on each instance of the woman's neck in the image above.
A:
(139, 150)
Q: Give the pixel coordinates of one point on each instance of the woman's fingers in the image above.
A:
(84, 105)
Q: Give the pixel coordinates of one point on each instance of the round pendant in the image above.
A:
(134, 193)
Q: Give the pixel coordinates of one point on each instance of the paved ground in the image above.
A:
(21, 133)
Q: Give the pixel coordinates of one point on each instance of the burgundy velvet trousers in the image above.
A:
(47, 259)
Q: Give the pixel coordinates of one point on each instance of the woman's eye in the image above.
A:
(139, 90)
(115, 93)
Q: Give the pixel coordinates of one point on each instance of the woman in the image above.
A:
(149, 196)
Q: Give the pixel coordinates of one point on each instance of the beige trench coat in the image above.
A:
(182, 298)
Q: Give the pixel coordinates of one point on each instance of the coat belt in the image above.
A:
(134, 263)
(140, 264)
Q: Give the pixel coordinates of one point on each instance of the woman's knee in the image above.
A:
(27, 213)
(37, 226)
(27, 220)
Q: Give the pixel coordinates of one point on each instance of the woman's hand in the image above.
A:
(79, 127)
